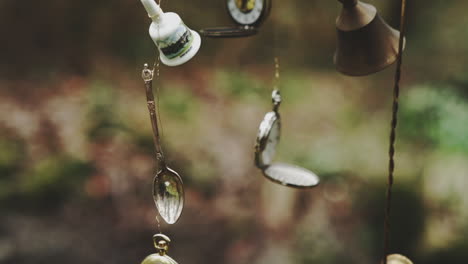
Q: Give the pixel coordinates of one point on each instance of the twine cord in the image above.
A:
(394, 124)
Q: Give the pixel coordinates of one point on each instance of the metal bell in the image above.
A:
(366, 44)
(161, 243)
(176, 42)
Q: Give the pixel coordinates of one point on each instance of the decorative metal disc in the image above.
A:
(290, 175)
(229, 32)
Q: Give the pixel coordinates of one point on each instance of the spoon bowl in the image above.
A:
(168, 194)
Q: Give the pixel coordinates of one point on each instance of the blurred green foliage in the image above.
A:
(45, 185)
(104, 121)
(50, 182)
(437, 116)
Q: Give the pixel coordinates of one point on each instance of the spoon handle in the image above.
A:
(147, 76)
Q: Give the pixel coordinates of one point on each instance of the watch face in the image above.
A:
(290, 175)
(247, 12)
(268, 138)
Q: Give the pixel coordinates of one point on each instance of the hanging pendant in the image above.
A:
(398, 259)
(365, 43)
(168, 194)
(161, 243)
(168, 189)
(176, 42)
(265, 149)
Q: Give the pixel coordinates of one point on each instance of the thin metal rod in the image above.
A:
(348, 3)
(147, 76)
(394, 123)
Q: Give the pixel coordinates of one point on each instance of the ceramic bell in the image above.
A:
(161, 243)
(176, 42)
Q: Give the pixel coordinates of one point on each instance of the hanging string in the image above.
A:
(394, 123)
(156, 68)
(276, 82)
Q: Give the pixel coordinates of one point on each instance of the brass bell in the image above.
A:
(161, 243)
(366, 44)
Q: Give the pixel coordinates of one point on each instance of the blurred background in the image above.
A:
(77, 159)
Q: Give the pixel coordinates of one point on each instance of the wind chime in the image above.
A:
(268, 138)
(366, 44)
(177, 44)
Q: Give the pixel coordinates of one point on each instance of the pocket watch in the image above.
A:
(265, 148)
(248, 16)
(161, 243)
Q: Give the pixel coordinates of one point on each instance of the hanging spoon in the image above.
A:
(168, 190)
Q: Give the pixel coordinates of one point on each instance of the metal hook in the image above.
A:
(147, 74)
(161, 243)
(276, 99)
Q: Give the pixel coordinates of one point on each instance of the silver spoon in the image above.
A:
(168, 189)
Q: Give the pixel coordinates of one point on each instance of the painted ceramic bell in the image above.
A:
(176, 42)
(161, 243)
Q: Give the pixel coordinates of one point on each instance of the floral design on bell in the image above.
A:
(161, 243)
